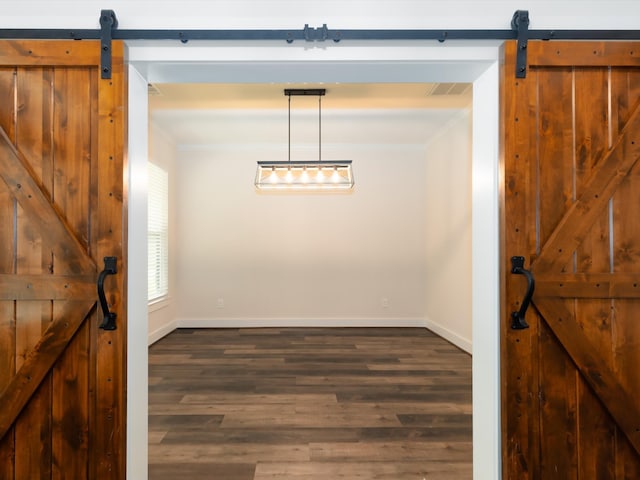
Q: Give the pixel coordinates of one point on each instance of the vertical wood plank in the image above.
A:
(72, 150)
(109, 429)
(592, 139)
(597, 436)
(7, 265)
(71, 132)
(558, 412)
(8, 91)
(32, 317)
(625, 92)
(70, 443)
(556, 191)
(520, 424)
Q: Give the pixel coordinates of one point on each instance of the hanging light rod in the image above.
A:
(305, 175)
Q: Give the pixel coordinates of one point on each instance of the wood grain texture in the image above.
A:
(24, 186)
(309, 403)
(520, 413)
(590, 54)
(110, 238)
(62, 203)
(573, 375)
(7, 266)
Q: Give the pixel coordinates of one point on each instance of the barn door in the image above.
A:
(61, 212)
(571, 144)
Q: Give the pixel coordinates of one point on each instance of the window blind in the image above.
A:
(158, 233)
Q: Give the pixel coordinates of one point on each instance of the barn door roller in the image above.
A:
(517, 318)
(108, 23)
(520, 24)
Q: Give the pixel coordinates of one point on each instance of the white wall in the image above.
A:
(248, 258)
(162, 152)
(257, 14)
(448, 240)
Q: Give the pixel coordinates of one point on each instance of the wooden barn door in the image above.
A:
(62, 379)
(571, 144)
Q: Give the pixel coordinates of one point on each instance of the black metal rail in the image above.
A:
(519, 31)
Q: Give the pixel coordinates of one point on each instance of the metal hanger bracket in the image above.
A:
(520, 24)
(108, 23)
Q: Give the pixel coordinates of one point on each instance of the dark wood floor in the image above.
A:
(309, 403)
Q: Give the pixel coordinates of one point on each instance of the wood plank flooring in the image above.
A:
(307, 404)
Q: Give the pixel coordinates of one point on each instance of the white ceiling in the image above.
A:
(255, 114)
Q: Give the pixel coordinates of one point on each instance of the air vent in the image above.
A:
(448, 89)
(153, 91)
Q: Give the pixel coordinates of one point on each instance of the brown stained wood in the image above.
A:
(32, 319)
(8, 92)
(361, 470)
(39, 361)
(70, 408)
(625, 89)
(587, 54)
(588, 285)
(56, 149)
(555, 192)
(7, 266)
(593, 136)
(520, 424)
(47, 287)
(310, 401)
(7, 362)
(71, 153)
(34, 424)
(109, 432)
(34, 112)
(49, 52)
(558, 410)
(605, 178)
(571, 215)
(595, 456)
(554, 188)
(621, 404)
(21, 180)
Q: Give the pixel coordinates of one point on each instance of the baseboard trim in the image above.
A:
(460, 342)
(162, 332)
(298, 322)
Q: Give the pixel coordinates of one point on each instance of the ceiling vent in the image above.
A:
(153, 91)
(439, 89)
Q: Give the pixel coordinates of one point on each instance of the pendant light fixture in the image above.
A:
(305, 175)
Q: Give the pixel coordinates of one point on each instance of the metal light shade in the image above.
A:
(299, 175)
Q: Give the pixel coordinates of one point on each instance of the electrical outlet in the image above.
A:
(220, 302)
(384, 302)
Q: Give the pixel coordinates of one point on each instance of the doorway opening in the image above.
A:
(421, 64)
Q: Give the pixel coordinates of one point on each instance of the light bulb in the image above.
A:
(273, 178)
(305, 176)
(289, 176)
(320, 176)
(335, 177)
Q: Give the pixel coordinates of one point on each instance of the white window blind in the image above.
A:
(158, 233)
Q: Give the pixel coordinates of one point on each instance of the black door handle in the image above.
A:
(517, 318)
(109, 321)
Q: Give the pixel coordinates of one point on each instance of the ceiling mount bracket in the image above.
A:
(108, 23)
(305, 91)
(319, 34)
(520, 24)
